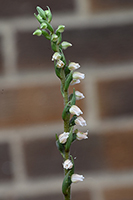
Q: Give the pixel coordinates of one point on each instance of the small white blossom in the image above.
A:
(63, 137)
(73, 66)
(80, 121)
(79, 95)
(56, 56)
(65, 45)
(78, 75)
(75, 81)
(81, 135)
(76, 178)
(60, 64)
(67, 164)
(75, 110)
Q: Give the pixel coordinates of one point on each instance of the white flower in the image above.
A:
(80, 121)
(75, 110)
(78, 75)
(73, 66)
(76, 178)
(56, 56)
(63, 137)
(81, 135)
(79, 95)
(60, 64)
(75, 81)
(67, 164)
(65, 45)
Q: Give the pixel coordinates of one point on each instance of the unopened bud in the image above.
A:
(60, 28)
(65, 45)
(43, 25)
(54, 38)
(37, 32)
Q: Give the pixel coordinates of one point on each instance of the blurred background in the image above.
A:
(101, 32)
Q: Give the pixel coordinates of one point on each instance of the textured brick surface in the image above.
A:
(33, 52)
(5, 163)
(115, 98)
(29, 105)
(42, 158)
(100, 5)
(101, 45)
(89, 154)
(26, 8)
(93, 45)
(1, 58)
(111, 151)
(119, 150)
(75, 196)
(119, 194)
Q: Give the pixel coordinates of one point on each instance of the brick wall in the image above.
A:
(30, 165)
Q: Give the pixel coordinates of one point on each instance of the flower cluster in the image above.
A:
(71, 114)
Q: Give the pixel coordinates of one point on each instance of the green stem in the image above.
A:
(66, 125)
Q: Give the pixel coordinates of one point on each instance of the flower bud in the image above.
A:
(43, 25)
(41, 12)
(75, 81)
(65, 45)
(75, 110)
(60, 64)
(56, 56)
(45, 33)
(63, 137)
(48, 14)
(60, 28)
(37, 32)
(67, 164)
(78, 75)
(73, 66)
(80, 121)
(79, 95)
(54, 38)
(76, 178)
(81, 135)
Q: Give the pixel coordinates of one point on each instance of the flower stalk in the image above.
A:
(68, 75)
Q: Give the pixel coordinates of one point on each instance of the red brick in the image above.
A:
(6, 173)
(81, 194)
(28, 8)
(115, 98)
(119, 194)
(1, 58)
(118, 150)
(30, 105)
(33, 52)
(102, 5)
(42, 158)
(100, 45)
